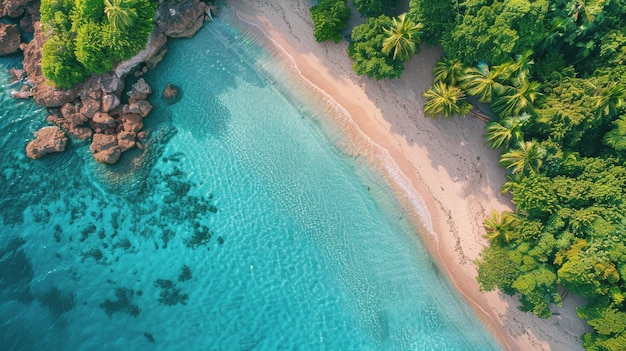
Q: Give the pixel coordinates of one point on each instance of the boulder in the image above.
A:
(47, 140)
(22, 94)
(9, 39)
(13, 8)
(111, 84)
(18, 74)
(180, 19)
(90, 107)
(71, 113)
(80, 133)
(26, 23)
(126, 140)
(91, 88)
(103, 118)
(172, 94)
(140, 90)
(131, 122)
(105, 149)
(140, 107)
(72, 127)
(68, 109)
(109, 102)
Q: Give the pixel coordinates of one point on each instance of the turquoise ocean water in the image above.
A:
(242, 227)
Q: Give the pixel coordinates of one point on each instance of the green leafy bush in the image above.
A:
(329, 18)
(366, 49)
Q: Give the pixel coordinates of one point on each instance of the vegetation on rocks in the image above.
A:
(90, 36)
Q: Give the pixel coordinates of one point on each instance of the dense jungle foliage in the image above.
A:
(90, 36)
(552, 72)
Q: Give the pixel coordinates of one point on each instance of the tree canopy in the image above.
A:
(91, 36)
(553, 76)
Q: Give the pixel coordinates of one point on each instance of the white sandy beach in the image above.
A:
(443, 160)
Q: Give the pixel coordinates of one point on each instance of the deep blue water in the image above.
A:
(240, 227)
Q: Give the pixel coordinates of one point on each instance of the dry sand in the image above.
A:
(442, 163)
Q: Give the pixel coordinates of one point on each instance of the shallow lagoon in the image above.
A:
(242, 227)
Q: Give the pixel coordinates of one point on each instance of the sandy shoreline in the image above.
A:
(444, 163)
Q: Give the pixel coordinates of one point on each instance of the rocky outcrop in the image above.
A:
(47, 140)
(105, 149)
(180, 19)
(140, 90)
(93, 109)
(172, 94)
(9, 39)
(114, 129)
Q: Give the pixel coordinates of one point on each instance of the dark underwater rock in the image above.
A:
(16, 271)
(185, 274)
(172, 94)
(57, 301)
(122, 304)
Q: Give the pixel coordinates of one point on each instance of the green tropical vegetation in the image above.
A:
(374, 8)
(402, 38)
(330, 18)
(552, 74)
(366, 50)
(90, 36)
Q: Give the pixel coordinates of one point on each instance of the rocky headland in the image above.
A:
(93, 109)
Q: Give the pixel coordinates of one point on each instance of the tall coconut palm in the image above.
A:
(506, 133)
(611, 100)
(120, 15)
(521, 65)
(444, 100)
(403, 38)
(499, 227)
(449, 71)
(518, 98)
(550, 37)
(482, 82)
(525, 160)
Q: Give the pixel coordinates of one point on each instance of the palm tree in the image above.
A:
(611, 100)
(588, 11)
(482, 82)
(506, 133)
(525, 160)
(518, 98)
(549, 38)
(499, 227)
(449, 71)
(402, 38)
(119, 14)
(444, 100)
(520, 67)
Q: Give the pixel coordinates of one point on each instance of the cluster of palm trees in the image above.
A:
(510, 93)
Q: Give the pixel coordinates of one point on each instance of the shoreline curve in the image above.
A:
(454, 226)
